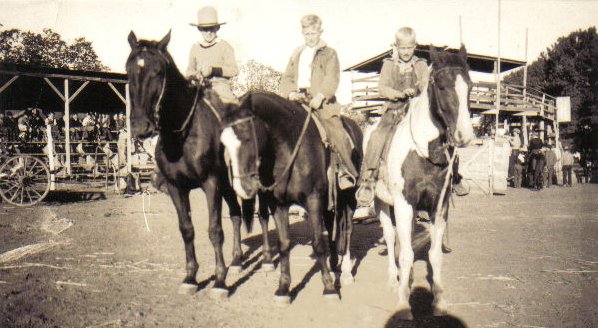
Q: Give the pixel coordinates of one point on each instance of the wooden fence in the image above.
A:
(516, 99)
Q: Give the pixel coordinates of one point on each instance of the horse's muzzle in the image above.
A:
(142, 128)
(246, 187)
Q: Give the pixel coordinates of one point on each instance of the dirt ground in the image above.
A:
(527, 259)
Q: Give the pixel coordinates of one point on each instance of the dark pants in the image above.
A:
(538, 162)
(567, 175)
(549, 175)
(340, 142)
(512, 162)
(380, 137)
(517, 175)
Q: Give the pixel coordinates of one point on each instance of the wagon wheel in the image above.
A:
(24, 180)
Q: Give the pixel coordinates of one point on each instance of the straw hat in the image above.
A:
(207, 17)
(516, 130)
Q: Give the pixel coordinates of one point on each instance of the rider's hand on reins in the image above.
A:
(297, 96)
(317, 101)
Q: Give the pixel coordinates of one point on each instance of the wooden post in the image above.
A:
(542, 134)
(497, 76)
(460, 32)
(525, 71)
(129, 135)
(51, 164)
(67, 127)
(524, 131)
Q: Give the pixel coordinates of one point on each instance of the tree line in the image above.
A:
(569, 67)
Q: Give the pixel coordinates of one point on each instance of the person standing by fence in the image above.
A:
(550, 164)
(567, 160)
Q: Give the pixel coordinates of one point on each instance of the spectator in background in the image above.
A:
(550, 164)
(36, 124)
(88, 126)
(75, 126)
(53, 124)
(535, 161)
(515, 143)
(519, 161)
(567, 161)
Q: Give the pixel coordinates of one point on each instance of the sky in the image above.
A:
(269, 30)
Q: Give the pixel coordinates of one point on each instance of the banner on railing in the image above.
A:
(563, 109)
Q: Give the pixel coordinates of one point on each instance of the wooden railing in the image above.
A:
(483, 97)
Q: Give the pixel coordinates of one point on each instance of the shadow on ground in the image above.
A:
(421, 308)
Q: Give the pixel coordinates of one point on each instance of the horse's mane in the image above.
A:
(278, 112)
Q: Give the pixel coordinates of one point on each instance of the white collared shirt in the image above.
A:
(304, 67)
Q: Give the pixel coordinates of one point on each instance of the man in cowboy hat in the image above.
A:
(212, 58)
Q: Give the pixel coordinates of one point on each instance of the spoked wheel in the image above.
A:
(24, 180)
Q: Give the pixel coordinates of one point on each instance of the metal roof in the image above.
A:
(37, 71)
(477, 63)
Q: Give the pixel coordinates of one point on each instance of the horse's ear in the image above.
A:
(164, 42)
(132, 40)
(463, 53)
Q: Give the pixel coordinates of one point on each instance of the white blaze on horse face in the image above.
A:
(233, 144)
(464, 130)
(141, 62)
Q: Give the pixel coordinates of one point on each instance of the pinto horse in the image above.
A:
(275, 148)
(189, 154)
(415, 178)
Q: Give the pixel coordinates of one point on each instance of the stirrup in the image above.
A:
(345, 180)
(365, 194)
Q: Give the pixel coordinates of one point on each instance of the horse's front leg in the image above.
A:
(235, 216)
(389, 232)
(435, 259)
(264, 215)
(346, 218)
(180, 199)
(281, 218)
(214, 200)
(315, 208)
(404, 221)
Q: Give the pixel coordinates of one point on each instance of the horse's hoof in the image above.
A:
(234, 269)
(439, 312)
(268, 267)
(282, 300)
(405, 315)
(187, 289)
(332, 297)
(218, 293)
(347, 280)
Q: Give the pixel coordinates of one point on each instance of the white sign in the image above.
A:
(563, 109)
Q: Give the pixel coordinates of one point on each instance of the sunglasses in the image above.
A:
(208, 29)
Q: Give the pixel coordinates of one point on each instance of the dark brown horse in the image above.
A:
(276, 148)
(188, 153)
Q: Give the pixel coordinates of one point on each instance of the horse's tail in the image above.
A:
(248, 209)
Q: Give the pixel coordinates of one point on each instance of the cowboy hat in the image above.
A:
(207, 17)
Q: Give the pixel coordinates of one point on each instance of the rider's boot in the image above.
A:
(365, 196)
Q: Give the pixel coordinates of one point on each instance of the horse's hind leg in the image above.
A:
(390, 234)
(281, 218)
(404, 221)
(315, 208)
(435, 259)
(180, 199)
(235, 216)
(214, 201)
